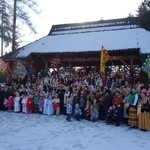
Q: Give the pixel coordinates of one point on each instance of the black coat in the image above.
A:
(108, 100)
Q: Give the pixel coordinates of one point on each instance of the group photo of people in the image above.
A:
(116, 98)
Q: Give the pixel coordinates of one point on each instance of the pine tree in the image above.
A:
(144, 14)
(5, 26)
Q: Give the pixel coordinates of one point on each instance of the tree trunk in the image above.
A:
(14, 26)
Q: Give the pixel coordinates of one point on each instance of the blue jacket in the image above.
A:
(69, 108)
(77, 111)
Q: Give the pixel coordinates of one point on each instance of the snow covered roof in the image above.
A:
(90, 37)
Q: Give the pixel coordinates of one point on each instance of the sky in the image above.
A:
(76, 11)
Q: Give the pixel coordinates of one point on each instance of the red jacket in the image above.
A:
(117, 101)
(10, 103)
(30, 103)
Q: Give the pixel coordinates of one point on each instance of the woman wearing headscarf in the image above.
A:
(144, 112)
(133, 100)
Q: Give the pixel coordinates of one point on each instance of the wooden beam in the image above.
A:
(85, 59)
(125, 64)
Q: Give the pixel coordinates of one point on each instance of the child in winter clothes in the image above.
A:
(77, 112)
(56, 105)
(117, 115)
(10, 103)
(114, 115)
(109, 115)
(94, 111)
(69, 110)
(41, 104)
(24, 103)
(17, 103)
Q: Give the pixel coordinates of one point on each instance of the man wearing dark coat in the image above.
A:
(107, 100)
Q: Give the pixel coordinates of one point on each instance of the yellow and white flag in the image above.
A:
(103, 60)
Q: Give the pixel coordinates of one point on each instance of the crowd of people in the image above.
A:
(115, 98)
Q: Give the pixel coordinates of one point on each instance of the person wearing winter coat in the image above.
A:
(69, 110)
(6, 95)
(91, 97)
(36, 101)
(87, 110)
(107, 99)
(126, 106)
(24, 104)
(143, 112)
(77, 112)
(109, 115)
(82, 103)
(41, 104)
(10, 104)
(118, 102)
(66, 95)
(117, 99)
(17, 103)
(50, 109)
(75, 99)
(117, 115)
(30, 103)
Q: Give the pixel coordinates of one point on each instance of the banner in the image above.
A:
(21, 70)
(103, 60)
(3, 66)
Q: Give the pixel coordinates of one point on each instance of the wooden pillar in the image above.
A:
(131, 67)
(46, 65)
(69, 67)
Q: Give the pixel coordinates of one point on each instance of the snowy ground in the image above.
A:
(39, 132)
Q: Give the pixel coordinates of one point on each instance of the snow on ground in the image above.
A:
(40, 132)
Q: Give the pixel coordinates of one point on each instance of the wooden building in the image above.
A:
(80, 44)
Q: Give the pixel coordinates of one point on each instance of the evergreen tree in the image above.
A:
(5, 26)
(144, 14)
